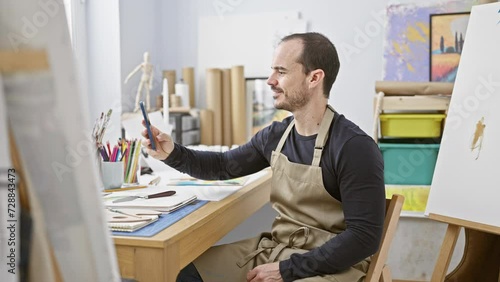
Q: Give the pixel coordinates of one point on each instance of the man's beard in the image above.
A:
(290, 103)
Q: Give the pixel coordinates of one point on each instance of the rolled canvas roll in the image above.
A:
(214, 101)
(413, 88)
(238, 108)
(188, 76)
(171, 78)
(206, 127)
(226, 108)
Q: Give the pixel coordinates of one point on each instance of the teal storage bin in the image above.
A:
(409, 164)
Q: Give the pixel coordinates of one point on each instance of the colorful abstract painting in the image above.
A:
(447, 40)
(407, 36)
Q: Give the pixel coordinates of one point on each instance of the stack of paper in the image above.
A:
(163, 204)
(130, 220)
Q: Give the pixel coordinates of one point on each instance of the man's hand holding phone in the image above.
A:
(164, 143)
(159, 144)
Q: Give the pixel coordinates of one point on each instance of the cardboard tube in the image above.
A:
(188, 76)
(172, 79)
(214, 101)
(238, 105)
(226, 108)
(175, 101)
(401, 88)
(206, 127)
(159, 102)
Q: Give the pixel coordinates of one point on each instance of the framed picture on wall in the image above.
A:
(261, 104)
(447, 36)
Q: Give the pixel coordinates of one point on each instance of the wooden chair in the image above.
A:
(379, 271)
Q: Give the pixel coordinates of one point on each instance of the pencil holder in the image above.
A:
(112, 174)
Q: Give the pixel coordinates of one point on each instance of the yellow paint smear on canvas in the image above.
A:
(405, 48)
(414, 35)
(415, 196)
(396, 47)
(402, 49)
(410, 67)
(424, 28)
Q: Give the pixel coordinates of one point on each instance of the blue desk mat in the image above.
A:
(163, 222)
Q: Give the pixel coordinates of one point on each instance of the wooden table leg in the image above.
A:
(148, 263)
(172, 262)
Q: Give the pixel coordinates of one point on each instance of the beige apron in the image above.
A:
(305, 212)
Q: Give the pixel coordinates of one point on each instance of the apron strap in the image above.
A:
(322, 135)
(277, 248)
(263, 245)
(305, 231)
(320, 139)
(275, 154)
(242, 262)
(302, 231)
(285, 135)
(276, 251)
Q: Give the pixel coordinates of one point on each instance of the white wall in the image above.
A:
(104, 61)
(141, 30)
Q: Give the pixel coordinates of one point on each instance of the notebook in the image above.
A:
(130, 220)
(164, 204)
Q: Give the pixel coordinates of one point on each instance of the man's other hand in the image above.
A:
(265, 272)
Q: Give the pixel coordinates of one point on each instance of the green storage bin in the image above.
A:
(411, 125)
(409, 164)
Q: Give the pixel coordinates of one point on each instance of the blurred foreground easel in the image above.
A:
(36, 242)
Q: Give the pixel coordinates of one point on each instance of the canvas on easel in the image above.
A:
(465, 183)
(464, 190)
(47, 115)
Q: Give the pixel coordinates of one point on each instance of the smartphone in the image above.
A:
(148, 125)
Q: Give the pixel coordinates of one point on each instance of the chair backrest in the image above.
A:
(393, 208)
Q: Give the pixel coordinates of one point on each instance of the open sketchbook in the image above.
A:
(130, 220)
(163, 204)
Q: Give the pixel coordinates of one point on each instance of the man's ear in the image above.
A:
(316, 78)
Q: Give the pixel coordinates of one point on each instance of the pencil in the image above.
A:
(117, 189)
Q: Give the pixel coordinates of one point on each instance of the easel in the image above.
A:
(10, 63)
(450, 240)
(475, 210)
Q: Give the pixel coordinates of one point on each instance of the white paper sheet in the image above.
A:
(160, 204)
(207, 193)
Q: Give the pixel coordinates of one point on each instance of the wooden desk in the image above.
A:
(159, 258)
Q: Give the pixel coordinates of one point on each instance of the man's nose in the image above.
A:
(271, 81)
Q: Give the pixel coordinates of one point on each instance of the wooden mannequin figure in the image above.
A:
(146, 81)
